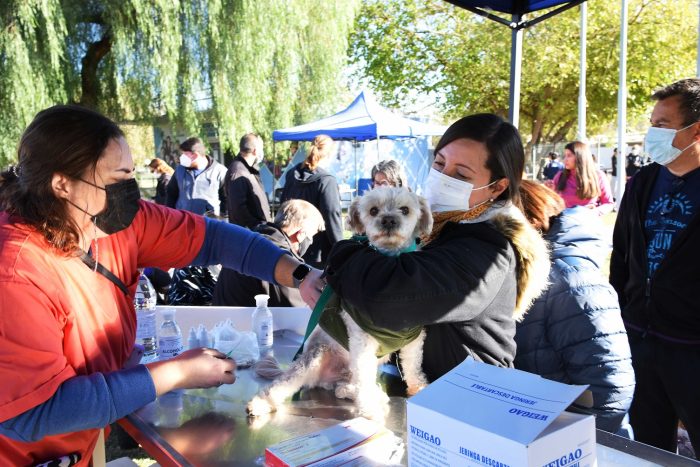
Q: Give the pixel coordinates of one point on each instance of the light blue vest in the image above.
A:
(201, 193)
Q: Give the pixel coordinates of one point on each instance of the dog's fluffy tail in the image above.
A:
(267, 367)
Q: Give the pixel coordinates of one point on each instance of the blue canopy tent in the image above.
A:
(364, 120)
(516, 8)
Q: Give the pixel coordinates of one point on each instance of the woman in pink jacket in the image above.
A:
(582, 183)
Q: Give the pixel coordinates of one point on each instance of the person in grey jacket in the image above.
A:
(573, 333)
(198, 184)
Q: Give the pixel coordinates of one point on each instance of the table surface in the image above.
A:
(210, 426)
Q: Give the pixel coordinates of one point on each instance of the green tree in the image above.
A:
(435, 48)
(262, 64)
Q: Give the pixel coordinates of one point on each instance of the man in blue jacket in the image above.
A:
(655, 270)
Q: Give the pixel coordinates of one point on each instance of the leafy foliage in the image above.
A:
(264, 63)
(464, 59)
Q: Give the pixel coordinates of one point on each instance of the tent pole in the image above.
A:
(516, 57)
(697, 64)
(357, 182)
(622, 107)
(582, 76)
(274, 179)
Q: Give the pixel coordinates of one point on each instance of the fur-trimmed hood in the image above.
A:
(531, 250)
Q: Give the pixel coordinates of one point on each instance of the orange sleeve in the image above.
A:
(167, 237)
(32, 362)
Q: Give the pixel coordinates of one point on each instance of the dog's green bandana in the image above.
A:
(326, 313)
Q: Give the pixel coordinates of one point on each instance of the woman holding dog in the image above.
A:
(476, 272)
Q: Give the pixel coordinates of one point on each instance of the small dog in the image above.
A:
(391, 218)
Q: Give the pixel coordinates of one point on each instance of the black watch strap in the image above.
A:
(300, 274)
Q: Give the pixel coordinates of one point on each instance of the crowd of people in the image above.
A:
(511, 274)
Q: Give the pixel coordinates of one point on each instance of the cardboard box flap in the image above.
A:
(510, 403)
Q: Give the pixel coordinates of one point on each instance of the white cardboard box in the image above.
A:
(482, 415)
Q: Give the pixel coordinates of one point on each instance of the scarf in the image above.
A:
(440, 219)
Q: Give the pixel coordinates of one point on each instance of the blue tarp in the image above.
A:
(362, 120)
(510, 6)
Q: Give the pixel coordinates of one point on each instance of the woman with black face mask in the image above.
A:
(73, 235)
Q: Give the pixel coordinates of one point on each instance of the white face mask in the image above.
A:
(445, 193)
(185, 161)
(658, 143)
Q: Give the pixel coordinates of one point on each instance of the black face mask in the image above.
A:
(122, 206)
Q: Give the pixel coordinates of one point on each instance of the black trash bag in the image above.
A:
(193, 285)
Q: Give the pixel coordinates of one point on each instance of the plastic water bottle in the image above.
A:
(169, 336)
(192, 339)
(262, 323)
(145, 304)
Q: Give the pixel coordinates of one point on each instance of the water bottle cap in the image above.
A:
(261, 300)
(168, 313)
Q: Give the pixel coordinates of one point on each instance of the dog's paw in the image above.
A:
(259, 406)
(346, 391)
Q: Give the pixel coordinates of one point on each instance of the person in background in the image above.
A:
(553, 167)
(581, 183)
(633, 162)
(164, 172)
(310, 181)
(296, 222)
(477, 271)
(655, 270)
(73, 235)
(387, 173)
(247, 200)
(198, 184)
(573, 333)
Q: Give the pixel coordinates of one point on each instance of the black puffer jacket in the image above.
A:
(320, 189)
(573, 333)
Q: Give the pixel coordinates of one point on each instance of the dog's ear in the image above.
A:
(354, 222)
(425, 222)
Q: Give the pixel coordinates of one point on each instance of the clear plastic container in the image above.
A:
(145, 305)
(262, 323)
(169, 336)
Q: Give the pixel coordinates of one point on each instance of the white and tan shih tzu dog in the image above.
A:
(343, 355)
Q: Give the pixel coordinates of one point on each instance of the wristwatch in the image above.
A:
(300, 274)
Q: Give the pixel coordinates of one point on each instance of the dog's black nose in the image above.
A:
(389, 222)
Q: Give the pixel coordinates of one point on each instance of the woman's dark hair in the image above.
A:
(506, 156)
(66, 139)
(587, 183)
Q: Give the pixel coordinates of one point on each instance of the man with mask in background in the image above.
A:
(296, 222)
(247, 200)
(656, 272)
(198, 182)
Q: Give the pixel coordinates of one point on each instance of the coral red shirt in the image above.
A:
(59, 319)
